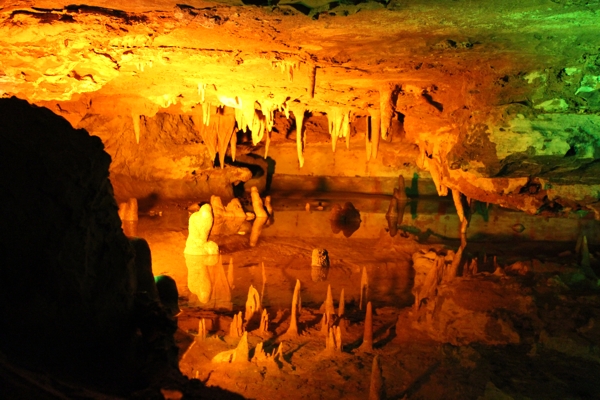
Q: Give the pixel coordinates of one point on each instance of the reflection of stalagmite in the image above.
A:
(585, 253)
(375, 127)
(252, 303)
(257, 203)
(364, 287)
(264, 281)
(457, 197)
(199, 282)
(367, 343)
(202, 329)
(257, 227)
(200, 224)
(128, 212)
(268, 205)
(293, 329)
(392, 217)
(376, 390)
(230, 277)
(387, 109)
(236, 329)
(221, 293)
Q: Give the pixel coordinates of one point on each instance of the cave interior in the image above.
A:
(392, 199)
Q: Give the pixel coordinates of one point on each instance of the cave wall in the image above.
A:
(67, 293)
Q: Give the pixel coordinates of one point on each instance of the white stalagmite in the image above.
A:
(136, 126)
(375, 125)
(339, 125)
(299, 114)
(387, 109)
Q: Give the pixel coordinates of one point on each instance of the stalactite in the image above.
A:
(367, 343)
(233, 145)
(313, 81)
(368, 146)
(339, 125)
(267, 143)
(202, 91)
(375, 124)
(136, 127)
(206, 110)
(387, 109)
(299, 115)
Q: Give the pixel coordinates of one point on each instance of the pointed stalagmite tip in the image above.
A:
(376, 389)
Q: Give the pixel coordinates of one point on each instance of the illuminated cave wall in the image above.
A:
(498, 102)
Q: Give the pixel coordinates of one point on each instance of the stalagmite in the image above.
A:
(326, 323)
(257, 203)
(200, 224)
(333, 340)
(264, 281)
(585, 253)
(136, 126)
(264, 322)
(202, 329)
(367, 343)
(293, 329)
(206, 109)
(364, 287)
(453, 270)
(252, 304)
(375, 125)
(237, 355)
(299, 114)
(237, 326)
(392, 216)
(256, 230)
(376, 389)
(387, 109)
(230, 278)
(328, 305)
(313, 80)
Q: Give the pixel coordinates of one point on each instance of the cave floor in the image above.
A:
(546, 362)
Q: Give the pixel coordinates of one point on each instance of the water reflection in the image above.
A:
(207, 281)
(344, 219)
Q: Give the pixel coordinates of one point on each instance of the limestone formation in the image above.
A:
(342, 304)
(200, 224)
(375, 128)
(268, 205)
(236, 329)
(202, 331)
(253, 305)
(376, 389)
(364, 287)
(230, 274)
(264, 322)
(293, 328)
(319, 266)
(264, 280)
(221, 292)
(238, 355)
(129, 211)
(367, 343)
(326, 323)
(333, 340)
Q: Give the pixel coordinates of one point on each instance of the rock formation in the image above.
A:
(367, 343)
(236, 329)
(319, 266)
(376, 389)
(252, 304)
(296, 306)
(364, 287)
(200, 224)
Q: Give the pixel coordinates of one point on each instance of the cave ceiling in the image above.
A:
(500, 100)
